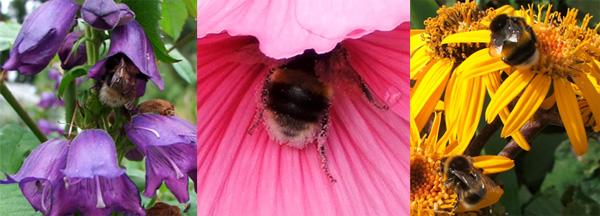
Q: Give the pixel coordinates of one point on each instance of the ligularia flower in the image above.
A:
(169, 144)
(41, 35)
(366, 147)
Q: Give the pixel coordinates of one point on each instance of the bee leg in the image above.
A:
(369, 96)
(264, 97)
(321, 146)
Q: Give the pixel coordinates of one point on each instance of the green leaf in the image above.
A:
(420, 11)
(534, 164)
(174, 13)
(546, 203)
(184, 68)
(510, 198)
(191, 7)
(70, 76)
(567, 170)
(589, 161)
(8, 34)
(147, 13)
(16, 141)
(13, 203)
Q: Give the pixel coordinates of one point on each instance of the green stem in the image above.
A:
(70, 95)
(183, 40)
(20, 111)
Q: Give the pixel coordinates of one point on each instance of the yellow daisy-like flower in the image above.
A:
(429, 194)
(434, 64)
(567, 70)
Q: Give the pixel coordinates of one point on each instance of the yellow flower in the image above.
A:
(434, 64)
(428, 192)
(568, 70)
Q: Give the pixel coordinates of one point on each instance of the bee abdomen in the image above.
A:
(301, 105)
(522, 54)
(472, 198)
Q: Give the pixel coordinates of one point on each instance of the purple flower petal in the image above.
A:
(126, 15)
(49, 99)
(67, 59)
(169, 144)
(92, 154)
(101, 14)
(41, 35)
(40, 172)
(130, 40)
(48, 127)
(98, 196)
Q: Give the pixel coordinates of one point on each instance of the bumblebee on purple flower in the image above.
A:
(82, 172)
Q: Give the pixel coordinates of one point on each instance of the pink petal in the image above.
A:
(243, 174)
(382, 59)
(287, 28)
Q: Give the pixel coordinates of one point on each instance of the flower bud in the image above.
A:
(67, 59)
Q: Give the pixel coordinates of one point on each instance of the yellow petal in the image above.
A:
(480, 63)
(493, 163)
(510, 88)
(481, 36)
(416, 42)
(568, 109)
(429, 89)
(492, 83)
(590, 94)
(418, 62)
(528, 103)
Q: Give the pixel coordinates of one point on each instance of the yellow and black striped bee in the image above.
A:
(514, 41)
(118, 86)
(474, 189)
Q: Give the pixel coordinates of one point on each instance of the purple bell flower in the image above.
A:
(48, 127)
(169, 144)
(67, 59)
(130, 41)
(105, 14)
(49, 99)
(94, 182)
(40, 174)
(41, 35)
(126, 15)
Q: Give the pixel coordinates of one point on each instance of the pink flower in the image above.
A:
(252, 174)
(286, 28)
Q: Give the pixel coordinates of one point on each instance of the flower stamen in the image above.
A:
(100, 201)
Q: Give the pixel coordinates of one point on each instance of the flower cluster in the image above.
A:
(82, 173)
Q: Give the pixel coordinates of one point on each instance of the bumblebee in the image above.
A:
(296, 97)
(474, 189)
(514, 41)
(118, 86)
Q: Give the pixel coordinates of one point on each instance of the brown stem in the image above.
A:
(477, 143)
(541, 119)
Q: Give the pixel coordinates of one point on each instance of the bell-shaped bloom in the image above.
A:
(126, 15)
(367, 148)
(49, 99)
(95, 184)
(105, 14)
(41, 35)
(68, 60)
(287, 28)
(169, 144)
(39, 175)
(131, 41)
(48, 127)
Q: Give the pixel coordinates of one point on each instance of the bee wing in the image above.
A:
(473, 180)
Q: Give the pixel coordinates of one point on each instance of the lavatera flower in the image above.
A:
(130, 62)
(169, 144)
(41, 35)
